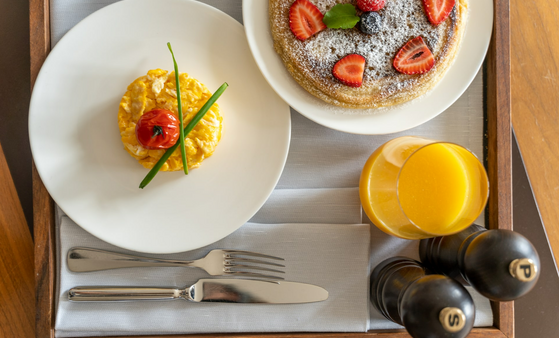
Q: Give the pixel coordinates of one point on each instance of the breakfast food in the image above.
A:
(157, 129)
(407, 45)
(305, 20)
(371, 5)
(349, 70)
(414, 58)
(149, 106)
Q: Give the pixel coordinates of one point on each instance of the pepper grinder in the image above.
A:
(501, 265)
(426, 305)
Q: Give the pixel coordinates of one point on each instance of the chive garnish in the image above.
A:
(179, 105)
(199, 115)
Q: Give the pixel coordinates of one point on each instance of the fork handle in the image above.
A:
(124, 293)
(81, 259)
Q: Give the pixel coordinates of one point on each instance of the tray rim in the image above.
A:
(497, 117)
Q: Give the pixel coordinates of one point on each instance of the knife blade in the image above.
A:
(242, 291)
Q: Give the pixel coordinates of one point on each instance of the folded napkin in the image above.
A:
(335, 257)
(320, 206)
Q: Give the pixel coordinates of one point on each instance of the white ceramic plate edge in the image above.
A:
(41, 167)
(316, 109)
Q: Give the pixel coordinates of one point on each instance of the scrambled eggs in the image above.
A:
(157, 90)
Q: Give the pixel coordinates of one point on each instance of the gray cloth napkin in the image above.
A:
(320, 160)
(320, 206)
(335, 257)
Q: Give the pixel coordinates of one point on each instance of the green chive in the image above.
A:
(199, 115)
(179, 105)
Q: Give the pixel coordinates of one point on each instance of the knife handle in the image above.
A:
(124, 293)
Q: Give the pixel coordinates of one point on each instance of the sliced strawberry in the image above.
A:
(349, 70)
(414, 58)
(305, 19)
(370, 5)
(438, 10)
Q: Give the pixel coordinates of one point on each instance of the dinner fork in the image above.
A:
(216, 262)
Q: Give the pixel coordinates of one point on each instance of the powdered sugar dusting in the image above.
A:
(402, 20)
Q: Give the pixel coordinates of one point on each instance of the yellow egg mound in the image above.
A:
(157, 90)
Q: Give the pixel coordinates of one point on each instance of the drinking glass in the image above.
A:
(416, 188)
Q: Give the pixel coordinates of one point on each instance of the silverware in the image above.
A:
(216, 262)
(210, 290)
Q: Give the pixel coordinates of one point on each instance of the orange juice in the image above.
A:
(415, 188)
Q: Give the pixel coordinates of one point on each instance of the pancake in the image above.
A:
(310, 62)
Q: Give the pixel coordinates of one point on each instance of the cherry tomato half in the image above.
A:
(158, 129)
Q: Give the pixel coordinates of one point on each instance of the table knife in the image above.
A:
(210, 290)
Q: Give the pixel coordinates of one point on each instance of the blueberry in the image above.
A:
(370, 22)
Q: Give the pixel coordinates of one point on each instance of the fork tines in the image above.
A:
(237, 261)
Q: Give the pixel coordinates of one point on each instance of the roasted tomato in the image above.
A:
(158, 129)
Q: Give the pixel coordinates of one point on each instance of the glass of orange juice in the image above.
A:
(415, 188)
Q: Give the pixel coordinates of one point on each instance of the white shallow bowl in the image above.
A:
(384, 121)
(76, 143)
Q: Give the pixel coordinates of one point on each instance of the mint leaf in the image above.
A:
(341, 16)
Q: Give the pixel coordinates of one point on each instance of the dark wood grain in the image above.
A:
(370, 334)
(16, 262)
(503, 317)
(39, 35)
(44, 226)
(43, 205)
(498, 162)
(499, 150)
(491, 332)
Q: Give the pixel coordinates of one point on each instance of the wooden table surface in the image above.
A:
(535, 114)
(17, 300)
(535, 102)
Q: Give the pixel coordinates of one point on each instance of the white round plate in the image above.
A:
(399, 118)
(76, 143)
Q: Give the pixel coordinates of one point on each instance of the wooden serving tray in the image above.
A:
(497, 110)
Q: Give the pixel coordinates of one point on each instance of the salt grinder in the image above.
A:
(426, 305)
(501, 265)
